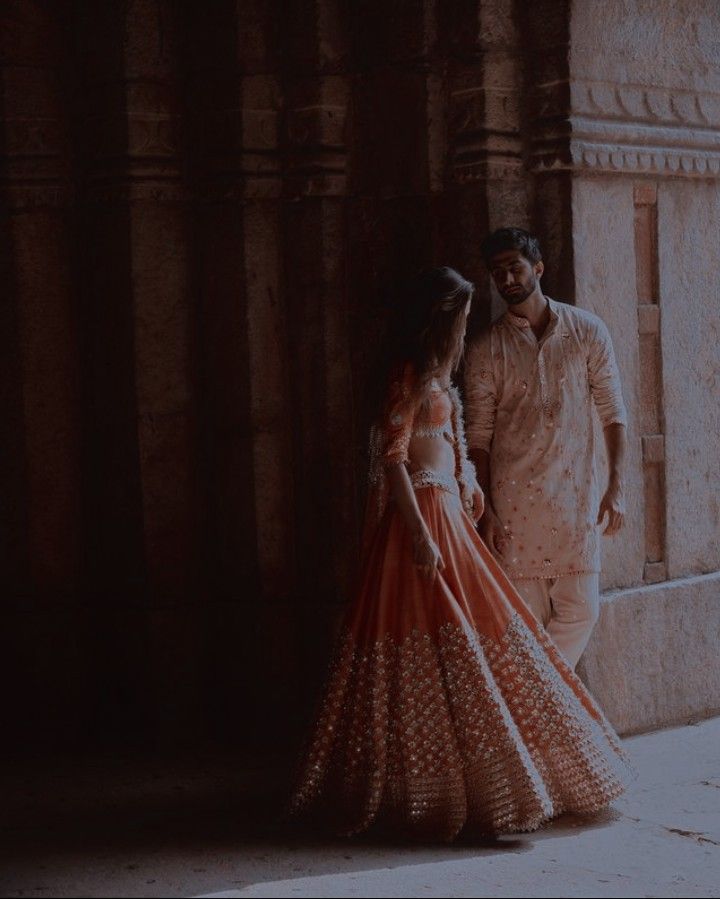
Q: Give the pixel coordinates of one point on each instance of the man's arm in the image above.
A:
(481, 406)
(481, 460)
(491, 527)
(613, 501)
(607, 395)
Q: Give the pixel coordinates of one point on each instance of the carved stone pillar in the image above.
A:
(626, 141)
(488, 182)
(237, 105)
(315, 225)
(42, 522)
(143, 510)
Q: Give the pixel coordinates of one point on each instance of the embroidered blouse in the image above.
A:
(405, 416)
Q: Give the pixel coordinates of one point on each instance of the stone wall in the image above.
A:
(644, 160)
(205, 210)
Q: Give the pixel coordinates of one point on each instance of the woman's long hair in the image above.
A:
(428, 330)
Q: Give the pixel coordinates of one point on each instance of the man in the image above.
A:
(531, 381)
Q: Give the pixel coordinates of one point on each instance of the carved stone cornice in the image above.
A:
(34, 170)
(132, 143)
(316, 134)
(34, 165)
(241, 141)
(485, 139)
(29, 195)
(273, 144)
(126, 189)
(625, 129)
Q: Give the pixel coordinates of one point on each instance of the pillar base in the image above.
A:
(652, 659)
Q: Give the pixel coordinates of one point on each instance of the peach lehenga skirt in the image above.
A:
(446, 704)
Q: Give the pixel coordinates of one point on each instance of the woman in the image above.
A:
(447, 704)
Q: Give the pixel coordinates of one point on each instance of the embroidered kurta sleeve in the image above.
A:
(480, 394)
(398, 418)
(604, 377)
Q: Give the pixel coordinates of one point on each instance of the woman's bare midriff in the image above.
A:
(431, 454)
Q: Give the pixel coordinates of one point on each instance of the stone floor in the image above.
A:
(130, 827)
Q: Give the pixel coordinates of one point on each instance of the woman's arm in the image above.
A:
(396, 430)
(426, 553)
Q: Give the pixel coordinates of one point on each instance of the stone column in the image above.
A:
(238, 137)
(41, 542)
(488, 183)
(315, 211)
(143, 511)
(633, 130)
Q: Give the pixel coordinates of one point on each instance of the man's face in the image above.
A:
(515, 276)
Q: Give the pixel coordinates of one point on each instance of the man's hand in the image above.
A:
(612, 504)
(474, 500)
(492, 531)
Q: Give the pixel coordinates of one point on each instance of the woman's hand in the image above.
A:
(427, 555)
(474, 500)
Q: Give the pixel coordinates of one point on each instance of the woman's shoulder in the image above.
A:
(403, 374)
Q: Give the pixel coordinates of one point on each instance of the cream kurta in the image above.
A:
(529, 403)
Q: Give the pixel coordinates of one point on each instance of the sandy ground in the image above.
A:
(203, 827)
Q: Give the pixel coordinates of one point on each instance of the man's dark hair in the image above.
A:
(511, 239)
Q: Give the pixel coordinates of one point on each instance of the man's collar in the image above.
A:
(520, 321)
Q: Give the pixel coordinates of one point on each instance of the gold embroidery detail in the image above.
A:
(432, 735)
